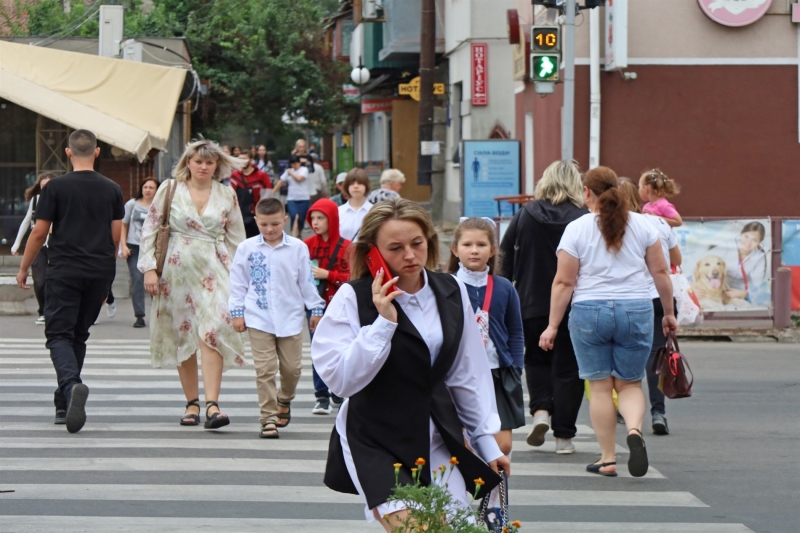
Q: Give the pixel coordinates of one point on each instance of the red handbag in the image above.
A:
(675, 376)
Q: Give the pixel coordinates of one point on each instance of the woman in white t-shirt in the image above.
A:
(352, 212)
(603, 261)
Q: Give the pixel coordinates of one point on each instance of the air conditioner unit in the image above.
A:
(369, 9)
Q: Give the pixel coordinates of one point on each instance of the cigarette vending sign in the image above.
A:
(480, 83)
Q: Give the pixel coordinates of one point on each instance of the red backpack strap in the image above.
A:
(487, 300)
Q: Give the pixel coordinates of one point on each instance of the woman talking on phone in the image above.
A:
(407, 333)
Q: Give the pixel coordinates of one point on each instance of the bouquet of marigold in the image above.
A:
(431, 508)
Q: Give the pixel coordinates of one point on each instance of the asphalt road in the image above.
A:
(731, 464)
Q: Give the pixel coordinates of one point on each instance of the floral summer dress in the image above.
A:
(195, 283)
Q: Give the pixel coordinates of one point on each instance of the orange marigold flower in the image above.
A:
(442, 468)
(398, 465)
(414, 470)
(420, 462)
(479, 481)
(453, 461)
(516, 523)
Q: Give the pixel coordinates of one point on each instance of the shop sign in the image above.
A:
(489, 169)
(380, 105)
(480, 83)
(734, 12)
(616, 34)
(351, 93)
(728, 263)
(412, 89)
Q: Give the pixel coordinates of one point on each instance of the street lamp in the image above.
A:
(360, 74)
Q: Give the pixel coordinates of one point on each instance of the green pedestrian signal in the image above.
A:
(544, 67)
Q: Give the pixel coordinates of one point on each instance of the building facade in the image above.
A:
(714, 106)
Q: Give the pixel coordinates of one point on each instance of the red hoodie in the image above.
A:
(257, 180)
(322, 250)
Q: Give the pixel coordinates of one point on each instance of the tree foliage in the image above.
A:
(265, 59)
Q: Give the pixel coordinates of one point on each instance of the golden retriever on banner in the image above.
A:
(710, 284)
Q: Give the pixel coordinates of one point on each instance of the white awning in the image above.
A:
(127, 104)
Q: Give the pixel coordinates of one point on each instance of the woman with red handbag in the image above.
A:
(603, 261)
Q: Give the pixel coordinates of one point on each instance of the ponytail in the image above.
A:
(612, 207)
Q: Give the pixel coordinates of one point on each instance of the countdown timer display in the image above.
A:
(545, 39)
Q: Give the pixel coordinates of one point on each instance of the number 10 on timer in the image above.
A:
(545, 53)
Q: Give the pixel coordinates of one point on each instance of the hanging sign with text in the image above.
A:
(480, 82)
(377, 105)
(489, 168)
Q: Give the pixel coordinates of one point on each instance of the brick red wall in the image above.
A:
(727, 134)
(127, 174)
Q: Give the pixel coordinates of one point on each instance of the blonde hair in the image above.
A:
(561, 181)
(207, 150)
(662, 185)
(392, 174)
(393, 209)
(474, 223)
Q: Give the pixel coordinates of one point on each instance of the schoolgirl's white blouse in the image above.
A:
(348, 356)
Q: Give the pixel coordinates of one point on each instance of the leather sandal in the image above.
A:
(594, 468)
(269, 430)
(217, 420)
(190, 419)
(637, 461)
(284, 418)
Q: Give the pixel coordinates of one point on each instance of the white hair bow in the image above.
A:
(487, 219)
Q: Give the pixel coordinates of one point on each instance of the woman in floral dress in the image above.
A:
(190, 301)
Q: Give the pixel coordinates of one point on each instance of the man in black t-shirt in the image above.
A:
(85, 210)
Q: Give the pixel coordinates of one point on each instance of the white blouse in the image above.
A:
(347, 357)
(350, 219)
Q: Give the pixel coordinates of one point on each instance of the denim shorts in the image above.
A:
(612, 338)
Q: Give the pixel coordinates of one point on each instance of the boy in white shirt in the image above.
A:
(271, 287)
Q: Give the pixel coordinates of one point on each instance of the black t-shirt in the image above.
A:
(81, 205)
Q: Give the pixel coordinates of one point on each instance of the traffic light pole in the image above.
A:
(568, 111)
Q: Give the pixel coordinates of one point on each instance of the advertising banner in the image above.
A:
(790, 256)
(489, 169)
(480, 76)
(729, 263)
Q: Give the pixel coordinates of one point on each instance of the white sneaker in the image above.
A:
(564, 446)
(541, 425)
(39, 321)
(321, 408)
(112, 310)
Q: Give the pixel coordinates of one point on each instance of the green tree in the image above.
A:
(265, 59)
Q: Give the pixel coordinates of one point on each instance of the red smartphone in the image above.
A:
(375, 262)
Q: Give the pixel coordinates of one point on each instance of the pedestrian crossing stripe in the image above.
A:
(33, 449)
(139, 524)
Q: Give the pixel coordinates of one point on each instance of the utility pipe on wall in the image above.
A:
(594, 88)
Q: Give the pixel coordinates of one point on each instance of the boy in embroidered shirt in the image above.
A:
(329, 250)
(271, 285)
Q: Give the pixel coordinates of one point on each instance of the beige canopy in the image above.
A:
(127, 104)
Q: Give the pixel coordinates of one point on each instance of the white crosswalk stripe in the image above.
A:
(133, 463)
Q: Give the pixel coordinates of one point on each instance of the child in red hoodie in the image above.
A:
(331, 270)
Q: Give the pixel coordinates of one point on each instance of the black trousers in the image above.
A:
(39, 274)
(552, 377)
(71, 307)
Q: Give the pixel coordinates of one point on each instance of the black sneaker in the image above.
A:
(322, 407)
(660, 426)
(139, 322)
(76, 412)
(61, 416)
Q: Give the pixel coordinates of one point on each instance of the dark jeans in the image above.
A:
(297, 208)
(321, 391)
(39, 274)
(137, 281)
(251, 229)
(659, 340)
(552, 377)
(71, 307)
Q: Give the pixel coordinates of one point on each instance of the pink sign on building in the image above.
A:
(480, 83)
(377, 105)
(734, 12)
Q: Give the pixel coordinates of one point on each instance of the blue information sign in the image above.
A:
(489, 169)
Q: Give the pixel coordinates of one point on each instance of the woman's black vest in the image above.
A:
(389, 420)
